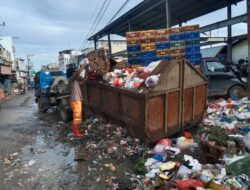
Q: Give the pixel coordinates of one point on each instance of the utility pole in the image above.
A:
(29, 66)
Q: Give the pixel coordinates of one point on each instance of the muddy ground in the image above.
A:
(38, 151)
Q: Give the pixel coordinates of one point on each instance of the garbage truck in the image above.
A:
(52, 89)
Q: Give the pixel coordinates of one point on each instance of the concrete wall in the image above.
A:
(116, 46)
(240, 51)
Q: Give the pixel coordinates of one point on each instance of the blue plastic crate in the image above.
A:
(134, 54)
(192, 49)
(134, 61)
(148, 53)
(177, 44)
(134, 48)
(192, 35)
(164, 57)
(193, 56)
(177, 37)
(190, 42)
(147, 62)
(162, 45)
(151, 58)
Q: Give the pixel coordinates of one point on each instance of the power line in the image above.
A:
(101, 16)
(98, 15)
(92, 16)
(105, 9)
(119, 10)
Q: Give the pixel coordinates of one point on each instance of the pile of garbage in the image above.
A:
(132, 78)
(169, 166)
(229, 114)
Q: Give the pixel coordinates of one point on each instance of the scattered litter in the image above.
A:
(37, 150)
(31, 162)
(111, 166)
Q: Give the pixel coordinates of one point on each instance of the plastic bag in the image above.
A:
(184, 172)
(152, 81)
(189, 183)
(151, 66)
(184, 143)
(206, 176)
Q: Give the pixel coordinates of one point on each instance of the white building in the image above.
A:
(116, 45)
(21, 71)
(68, 57)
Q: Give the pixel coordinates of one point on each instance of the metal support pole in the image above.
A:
(95, 41)
(248, 36)
(129, 26)
(168, 14)
(109, 43)
(229, 33)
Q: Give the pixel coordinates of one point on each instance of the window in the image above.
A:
(215, 66)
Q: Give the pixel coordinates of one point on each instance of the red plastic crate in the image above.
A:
(164, 52)
(162, 39)
(148, 47)
(133, 41)
(149, 40)
(148, 34)
(177, 52)
(133, 35)
(176, 30)
(191, 28)
(161, 33)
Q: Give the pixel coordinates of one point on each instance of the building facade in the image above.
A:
(67, 57)
(116, 45)
(7, 61)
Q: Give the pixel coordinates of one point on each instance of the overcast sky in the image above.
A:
(45, 27)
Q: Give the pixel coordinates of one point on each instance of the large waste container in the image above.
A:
(176, 102)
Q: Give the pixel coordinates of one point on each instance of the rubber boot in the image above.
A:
(76, 131)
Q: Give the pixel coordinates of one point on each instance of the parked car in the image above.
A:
(222, 79)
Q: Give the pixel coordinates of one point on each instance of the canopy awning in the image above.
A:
(151, 14)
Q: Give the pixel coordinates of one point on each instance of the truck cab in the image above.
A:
(222, 79)
(44, 91)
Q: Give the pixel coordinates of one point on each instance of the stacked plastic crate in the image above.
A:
(192, 44)
(134, 47)
(162, 44)
(151, 45)
(177, 42)
(148, 47)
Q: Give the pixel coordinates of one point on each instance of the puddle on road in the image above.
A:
(49, 158)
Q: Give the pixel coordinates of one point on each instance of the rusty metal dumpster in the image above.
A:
(175, 103)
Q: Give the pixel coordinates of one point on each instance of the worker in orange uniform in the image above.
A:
(76, 97)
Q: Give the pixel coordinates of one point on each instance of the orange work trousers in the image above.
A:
(76, 107)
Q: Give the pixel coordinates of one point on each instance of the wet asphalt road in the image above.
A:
(35, 152)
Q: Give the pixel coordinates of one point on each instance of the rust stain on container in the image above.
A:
(178, 100)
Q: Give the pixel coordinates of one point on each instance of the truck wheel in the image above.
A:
(66, 114)
(236, 91)
(43, 104)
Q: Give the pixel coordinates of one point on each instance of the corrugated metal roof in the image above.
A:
(151, 14)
